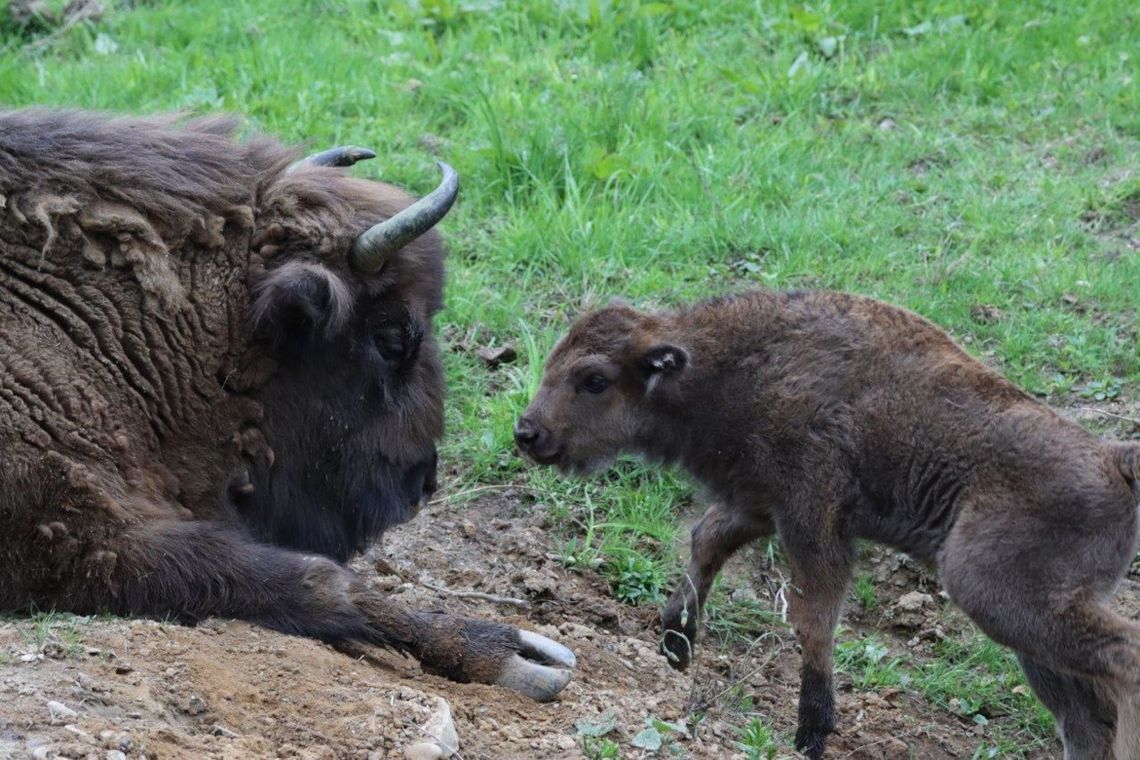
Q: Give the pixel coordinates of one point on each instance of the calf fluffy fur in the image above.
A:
(825, 417)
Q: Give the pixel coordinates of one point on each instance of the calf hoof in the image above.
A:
(475, 650)
(677, 648)
(679, 632)
(811, 741)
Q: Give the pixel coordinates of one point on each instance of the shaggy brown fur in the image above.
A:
(190, 373)
(828, 417)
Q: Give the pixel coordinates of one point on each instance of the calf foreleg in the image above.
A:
(715, 538)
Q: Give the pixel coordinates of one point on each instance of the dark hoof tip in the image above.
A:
(811, 742)
(677, 648)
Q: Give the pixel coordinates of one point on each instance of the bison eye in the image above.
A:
(595, 384)
(390, 343)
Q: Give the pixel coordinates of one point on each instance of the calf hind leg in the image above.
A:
(1085, 716)
(1064, 630)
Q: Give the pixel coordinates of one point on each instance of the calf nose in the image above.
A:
(527, 434)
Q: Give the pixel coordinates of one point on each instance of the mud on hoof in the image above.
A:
(465, 650)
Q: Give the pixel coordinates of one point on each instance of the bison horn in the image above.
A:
(342, 155)
(371, 250)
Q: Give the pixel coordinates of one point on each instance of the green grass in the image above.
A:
(61, 633)
(971, 677)
(758, 741)
(865, 593)
(976, 162)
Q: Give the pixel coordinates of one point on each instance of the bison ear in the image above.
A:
(662, 363)
(300, 300)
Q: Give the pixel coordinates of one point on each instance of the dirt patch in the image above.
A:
(97, 687)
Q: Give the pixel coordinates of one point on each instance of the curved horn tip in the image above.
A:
(356, 153)
(341, 155)
(373, 247)
(446, 169)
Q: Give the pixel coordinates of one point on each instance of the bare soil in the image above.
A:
(110, 688)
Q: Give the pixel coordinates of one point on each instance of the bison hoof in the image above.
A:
(540, 669)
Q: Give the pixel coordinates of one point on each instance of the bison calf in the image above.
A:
(218, 381)
(827, 417)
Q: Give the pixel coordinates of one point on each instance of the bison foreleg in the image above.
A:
(191, 570)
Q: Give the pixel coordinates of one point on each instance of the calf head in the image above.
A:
(354, 404)
(610, 386)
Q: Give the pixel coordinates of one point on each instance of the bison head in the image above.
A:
(353, 405)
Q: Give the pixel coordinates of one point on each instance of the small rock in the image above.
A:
(54, 650)
(431, 143)
(441, 728)
(493, 357)
(423, 751)
(541, 583)
(566, 743)
(469, 529)
(985, 314)
(757, 680)
(193, 706)
(60, 711)
(576, 631)
(84, 681)
(914, 601)
(887, 124)
(80, 733)
(114, 754)
(896, 747)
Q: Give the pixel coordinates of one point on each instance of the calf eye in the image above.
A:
(595, 384)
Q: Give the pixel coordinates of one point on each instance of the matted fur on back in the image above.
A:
(173, 170)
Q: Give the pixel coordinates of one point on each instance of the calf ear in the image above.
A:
(300, 300)
(661, 363)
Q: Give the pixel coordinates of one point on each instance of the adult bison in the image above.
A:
(217, 380)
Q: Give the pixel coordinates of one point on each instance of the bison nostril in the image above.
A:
(526, 433)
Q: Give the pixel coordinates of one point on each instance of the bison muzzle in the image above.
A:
(826, 417)
(218, 382)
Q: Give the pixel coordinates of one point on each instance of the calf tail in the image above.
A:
(1127, 455)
